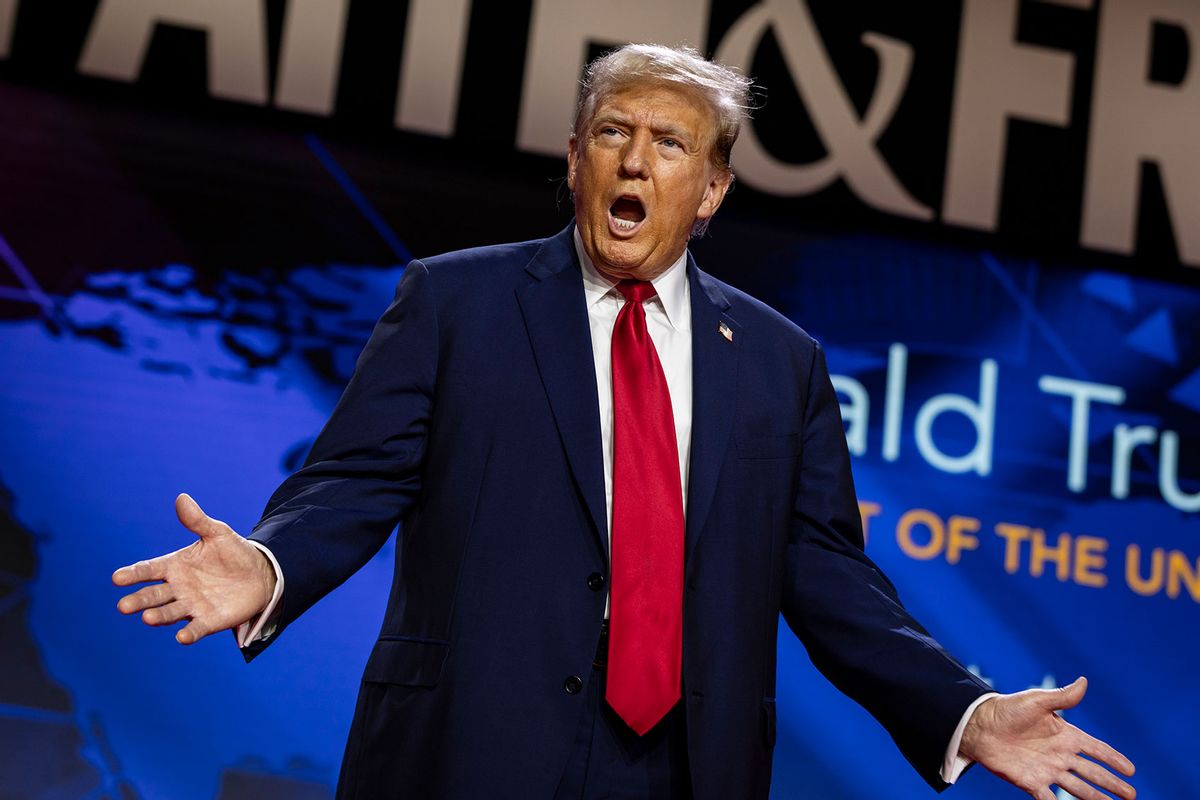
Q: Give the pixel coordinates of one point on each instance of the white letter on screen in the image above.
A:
(854, 413)
(8, 20)
(560, 32)
(311, 55)
(1082, 393)
(435, 47)
(998, 79)
(237, 42)
(1136, 121)
(981, 415)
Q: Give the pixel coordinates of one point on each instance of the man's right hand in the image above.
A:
(217, 582)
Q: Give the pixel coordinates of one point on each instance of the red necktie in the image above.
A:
(646, 592)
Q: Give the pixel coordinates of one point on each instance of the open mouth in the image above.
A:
(626, 215)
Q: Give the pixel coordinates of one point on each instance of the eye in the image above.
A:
(671, 143)
(609, 131)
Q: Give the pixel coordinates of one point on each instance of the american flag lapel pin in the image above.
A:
(725, 331)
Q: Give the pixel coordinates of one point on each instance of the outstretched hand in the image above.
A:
(1021, 738)
(217, 582)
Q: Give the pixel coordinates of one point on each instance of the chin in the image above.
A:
(623, 256)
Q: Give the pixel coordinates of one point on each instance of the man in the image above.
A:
(589, 428)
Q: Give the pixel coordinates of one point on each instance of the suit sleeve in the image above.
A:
(364, 470)
(848, 614)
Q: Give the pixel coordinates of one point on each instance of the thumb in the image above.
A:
(194, 518)
(1067, 696)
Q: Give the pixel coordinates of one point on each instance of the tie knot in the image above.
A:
(636, 291)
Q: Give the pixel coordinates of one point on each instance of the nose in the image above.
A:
(635, 161)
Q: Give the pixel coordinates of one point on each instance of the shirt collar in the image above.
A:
(671, 285)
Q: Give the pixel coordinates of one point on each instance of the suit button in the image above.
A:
(595, 581)
(573, 684)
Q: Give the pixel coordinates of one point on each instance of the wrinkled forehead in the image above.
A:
(654, 100)
(664, 108)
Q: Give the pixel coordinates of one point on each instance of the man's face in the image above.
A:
(642, 175)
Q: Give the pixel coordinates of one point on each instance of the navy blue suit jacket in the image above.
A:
(472, 421)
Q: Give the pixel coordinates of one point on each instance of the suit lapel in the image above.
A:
(556, 320)
(714, 393)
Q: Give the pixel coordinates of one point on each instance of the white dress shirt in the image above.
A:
(669, 322)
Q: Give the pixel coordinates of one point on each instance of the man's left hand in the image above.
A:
(1021, 738)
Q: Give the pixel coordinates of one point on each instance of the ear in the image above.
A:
(714, 193)
(572, 160)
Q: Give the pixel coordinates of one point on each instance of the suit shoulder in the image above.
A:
(754, 313)
(479, 275)
(488, 259)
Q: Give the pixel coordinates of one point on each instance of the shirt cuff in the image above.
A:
(954, 764)
(253, 630)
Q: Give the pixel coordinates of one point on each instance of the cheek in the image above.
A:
(682, 205)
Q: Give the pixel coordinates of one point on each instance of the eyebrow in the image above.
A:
(614, 117)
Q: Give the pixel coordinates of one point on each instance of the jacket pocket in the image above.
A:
(766, 447)
(768, 721)
(406, 662)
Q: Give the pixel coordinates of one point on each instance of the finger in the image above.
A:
(195, 520)
(1080, 789)
(165, 615)
(193, 632)
(1065, 697)
(154, 569)
(1098, 775)
(1107, 754)
(149, 597)
(1043, 793)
